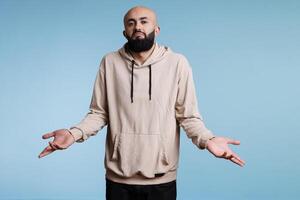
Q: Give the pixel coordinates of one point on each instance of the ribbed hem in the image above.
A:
(141, 180)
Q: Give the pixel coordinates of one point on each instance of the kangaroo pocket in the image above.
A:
(142, 154)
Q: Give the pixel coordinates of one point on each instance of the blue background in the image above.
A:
(246, 66)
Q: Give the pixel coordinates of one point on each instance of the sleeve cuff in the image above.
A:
(207, 136)
(77, 134)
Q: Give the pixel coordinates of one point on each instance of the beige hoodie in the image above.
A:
(144, 107)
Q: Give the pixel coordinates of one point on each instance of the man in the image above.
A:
(144, 92)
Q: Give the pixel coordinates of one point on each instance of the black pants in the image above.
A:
(120, 191)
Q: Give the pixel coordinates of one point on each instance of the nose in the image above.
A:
(138, 26)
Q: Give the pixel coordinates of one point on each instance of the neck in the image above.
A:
(141, 57)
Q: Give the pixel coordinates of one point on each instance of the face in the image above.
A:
(140, 29)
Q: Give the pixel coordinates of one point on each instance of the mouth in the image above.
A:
(139, 34)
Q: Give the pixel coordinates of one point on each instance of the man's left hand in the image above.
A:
(218, 146)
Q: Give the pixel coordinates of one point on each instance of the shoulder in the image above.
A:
(182, 64)
(109, 59)
(181, 59)
(110, 56)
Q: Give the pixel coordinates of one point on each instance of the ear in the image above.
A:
(124, 34)
(157, 30)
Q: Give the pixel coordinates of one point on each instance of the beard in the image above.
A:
(139, 45)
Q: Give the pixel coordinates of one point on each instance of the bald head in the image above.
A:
(140, 11)
(141, 28)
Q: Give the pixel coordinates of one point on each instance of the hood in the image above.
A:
(158, 54)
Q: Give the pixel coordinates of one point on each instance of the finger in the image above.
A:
(53, 145)
(238, 158)
(46, 151)
(235, 142)
(56, 146)
(236, 161)
(224, 155)
(48, 135)
(227, 154)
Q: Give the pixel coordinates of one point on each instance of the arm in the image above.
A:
(95, 120)
(97, 117)
(187, 113)
(190, 119)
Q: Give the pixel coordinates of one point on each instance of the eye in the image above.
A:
(130, 24)
(144, 22)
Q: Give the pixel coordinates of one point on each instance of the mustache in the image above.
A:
(139, 32)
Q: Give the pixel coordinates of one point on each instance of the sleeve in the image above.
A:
(97, 117)
(187, 113)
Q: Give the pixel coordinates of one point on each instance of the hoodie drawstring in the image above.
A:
(150, 82)
(131, 92)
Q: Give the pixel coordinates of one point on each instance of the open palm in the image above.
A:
(218, 146)
(62, 140)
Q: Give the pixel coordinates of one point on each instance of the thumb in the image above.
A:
(48, 135)
(235, 142)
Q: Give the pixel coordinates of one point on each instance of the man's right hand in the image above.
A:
(62, 140)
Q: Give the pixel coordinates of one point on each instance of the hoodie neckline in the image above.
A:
(159, 53)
